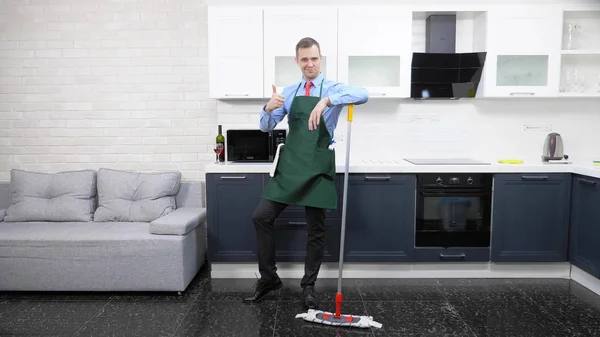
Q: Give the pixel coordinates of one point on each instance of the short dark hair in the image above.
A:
(307, 42)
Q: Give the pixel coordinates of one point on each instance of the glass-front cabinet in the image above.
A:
(523, 44)
(580, 60)
(284, 26)
(374, 49)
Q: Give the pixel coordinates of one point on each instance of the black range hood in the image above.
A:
(440, 72)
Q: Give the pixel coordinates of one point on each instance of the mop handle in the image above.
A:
(338, 297)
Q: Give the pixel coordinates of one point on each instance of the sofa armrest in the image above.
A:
(2, 214)
(179, 222)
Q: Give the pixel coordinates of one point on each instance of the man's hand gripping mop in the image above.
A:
(338, 319)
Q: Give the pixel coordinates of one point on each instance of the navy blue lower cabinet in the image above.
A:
(380, 217)
(230, 201)
(291, 234)
(530, 217)
(585, 224)
(297, 212)
(291, 238)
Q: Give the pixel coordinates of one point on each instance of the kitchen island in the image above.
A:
(545, 222)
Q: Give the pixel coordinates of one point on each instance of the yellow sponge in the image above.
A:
(510, 161)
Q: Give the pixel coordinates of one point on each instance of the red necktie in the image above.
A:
(307, 87)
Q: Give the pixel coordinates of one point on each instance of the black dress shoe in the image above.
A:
(310, 297)
(262, 289)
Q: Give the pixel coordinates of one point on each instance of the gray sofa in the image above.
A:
(105, 230)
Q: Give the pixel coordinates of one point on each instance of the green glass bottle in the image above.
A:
(220, 144)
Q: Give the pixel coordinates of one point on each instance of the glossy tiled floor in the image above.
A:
(405, 307)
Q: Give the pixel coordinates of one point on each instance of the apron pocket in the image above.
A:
(324, 162)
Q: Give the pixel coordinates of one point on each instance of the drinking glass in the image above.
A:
(573, 36)
(218, 150)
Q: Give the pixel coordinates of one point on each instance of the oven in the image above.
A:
(453, 216)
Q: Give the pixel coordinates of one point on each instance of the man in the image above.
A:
(305, 171)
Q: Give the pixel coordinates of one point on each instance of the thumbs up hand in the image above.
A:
(275, 102)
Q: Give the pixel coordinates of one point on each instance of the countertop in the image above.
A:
(582, 166)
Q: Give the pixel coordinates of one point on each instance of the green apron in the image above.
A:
(305, 172)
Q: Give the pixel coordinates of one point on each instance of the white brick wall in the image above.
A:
(89, 84)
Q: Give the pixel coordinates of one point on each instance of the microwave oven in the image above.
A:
(253, 145)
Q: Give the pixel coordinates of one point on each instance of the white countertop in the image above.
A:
(581, 166)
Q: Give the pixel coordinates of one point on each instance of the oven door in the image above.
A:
(453, 218)
(248, 146)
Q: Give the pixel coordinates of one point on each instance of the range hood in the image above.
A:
(440, 72)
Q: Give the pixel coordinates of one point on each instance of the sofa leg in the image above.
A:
(179, 293)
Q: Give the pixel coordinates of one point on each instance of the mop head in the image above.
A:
(328, 318)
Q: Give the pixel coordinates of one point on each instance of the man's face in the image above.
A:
(309, 61)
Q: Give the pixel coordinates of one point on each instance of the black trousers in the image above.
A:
(264, 217)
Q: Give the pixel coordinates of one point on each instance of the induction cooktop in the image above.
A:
(445, 161)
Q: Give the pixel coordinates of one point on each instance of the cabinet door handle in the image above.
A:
(233, 177)
(297, 223)
(377, 178)
(534, 177)
(586, 181)
(452, 256)
(522, 93)
(232, 95)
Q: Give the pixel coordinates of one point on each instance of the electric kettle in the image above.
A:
(553, 148)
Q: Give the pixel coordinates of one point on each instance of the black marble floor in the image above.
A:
(405, 307)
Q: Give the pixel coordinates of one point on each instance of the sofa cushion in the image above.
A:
(83, 240)
(134, 196)
(62, 196)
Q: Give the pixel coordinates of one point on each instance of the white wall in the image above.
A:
(485, 129)
(123, 84)
(89, 84)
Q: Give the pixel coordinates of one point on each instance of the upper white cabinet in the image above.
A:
(284, 26)
(580, 71)
(374, 49)
(544, 50)
(523, 51)
(235, 52)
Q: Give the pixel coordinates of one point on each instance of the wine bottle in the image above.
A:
(220, 141)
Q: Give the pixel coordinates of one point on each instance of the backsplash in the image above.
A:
(488, 129)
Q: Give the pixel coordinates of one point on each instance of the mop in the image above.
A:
(337, 319)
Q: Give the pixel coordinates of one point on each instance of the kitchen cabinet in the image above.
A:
(230, 201)
(291, 238)
(523, 46)
(297, 212)
(380, 218)
(580, 62)
(585, 224)
(530, 217)
(379, 227)
(531, 213)
(284, 26)
(529, 52)
(235, 52)
(374, 49)
(291, 235)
